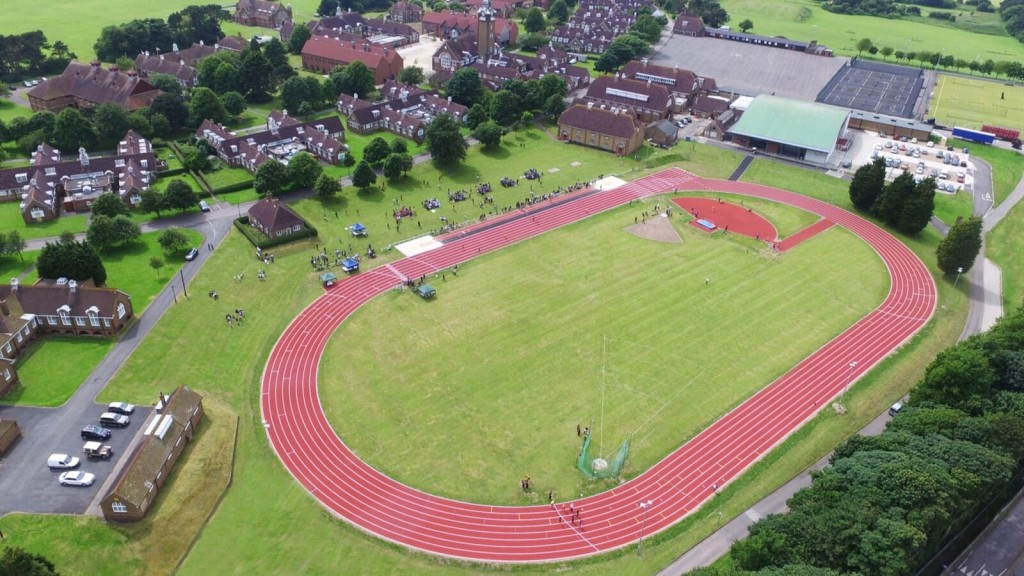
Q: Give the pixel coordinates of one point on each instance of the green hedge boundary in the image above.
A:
(233, 187)
(257, 239)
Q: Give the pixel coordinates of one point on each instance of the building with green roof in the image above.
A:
(805, 131)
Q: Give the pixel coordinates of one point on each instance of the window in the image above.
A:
(51, 320)
(119, 507)
(79, 321)
(121, 310)
(37, 213)
(446, 61)
(94, 319)
(21, 178)
(65, 319)
(18, 336)
(8, 348)
(7, 374)
(106, 322)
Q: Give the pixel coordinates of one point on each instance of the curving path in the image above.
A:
(302, 437)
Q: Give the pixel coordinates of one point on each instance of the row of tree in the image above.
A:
(183, 28)
(1012, 13)
(1007, 68)
(888, 503)
(25, 55)
(256, 72)
(902, 203)
(71, 258)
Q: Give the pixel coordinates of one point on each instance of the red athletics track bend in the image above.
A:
(302, 437)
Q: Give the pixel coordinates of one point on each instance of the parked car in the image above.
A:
(77, 478)
(204, 206)
(121, 408)
(191, 254)
(97, 450)
(61, 461)
(114, 420)
(94, 432)
(895, 408)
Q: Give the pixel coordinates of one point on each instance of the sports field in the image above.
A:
(973, 102)
(587, 325)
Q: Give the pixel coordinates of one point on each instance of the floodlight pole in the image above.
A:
(849, 380)
(959, 271)
(644, 506)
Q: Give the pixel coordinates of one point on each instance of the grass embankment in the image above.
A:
(10, 219)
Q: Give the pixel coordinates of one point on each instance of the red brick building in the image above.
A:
(323, 54)
(86, 85)
(612, 129)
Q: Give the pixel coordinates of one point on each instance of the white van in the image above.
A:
(895, 408)
(61, 461)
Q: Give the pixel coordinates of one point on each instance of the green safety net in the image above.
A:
(598, 467)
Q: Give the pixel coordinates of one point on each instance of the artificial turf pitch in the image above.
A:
(466, 394)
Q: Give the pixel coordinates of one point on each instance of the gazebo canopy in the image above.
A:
(426, 291)
(328, 278)
(358, 229)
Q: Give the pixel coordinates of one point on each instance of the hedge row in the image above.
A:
(233, 187)
(172, 172)
(257, 239)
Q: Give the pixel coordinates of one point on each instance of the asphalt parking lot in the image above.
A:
(865, 144)
(28, 485)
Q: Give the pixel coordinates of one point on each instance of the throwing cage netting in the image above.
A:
(598, 467)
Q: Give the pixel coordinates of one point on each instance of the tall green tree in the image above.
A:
(255, 75)
(179, 195)
(271, 178)
(72, 130)
(172, 107)
(960, 247)
(863, 45)
(300, 35)
(111, 121)
(376, 151)
(488, 133)
(356, 78)
(326, 187)
(465, 86)
(17, 562)
(173, 240)
(444, 141)
(746, 25)
(110, 205)
(411, 75)
(392, 168)
(363, 176)
(70, 258)
(152, 202)
(889, 204)
(234, 103)
(205, 105)
(918, 209)
(559, 12)
(534, 20)
(477, 115)
(13, 243)
(867, 183)
(506, 108)
(303, 170)
(298, 90)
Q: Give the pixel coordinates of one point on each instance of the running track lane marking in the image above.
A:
(349, 488)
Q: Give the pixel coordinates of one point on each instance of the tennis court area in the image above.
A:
(874, 87)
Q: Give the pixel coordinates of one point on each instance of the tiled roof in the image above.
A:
(684, 81)
(390, 27)
(689, 24)
(165, 65)
(273, 215)
(628, 92)
(709, 104)
(98, 85)
(45, 298)
(339, 51)
(45, 155)
(621, 124)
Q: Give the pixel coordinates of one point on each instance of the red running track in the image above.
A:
(302, 437)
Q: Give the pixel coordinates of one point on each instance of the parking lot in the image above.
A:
(946, 166)
(28, 485)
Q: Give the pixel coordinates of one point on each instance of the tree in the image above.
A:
(159, 126)
(275, 53)
(746, 25)
(411, 75)
(407, 163)
(255, 75)
(165, 83)
(918, 209)
(960, 247)
(376, 151)
(614, 57)
(172, 107)
(465, 87)
(125, 231)
(12, 243)
(867, 183)
(886, 51)
(195, 158)
(559, 11)
(534, 20)
(900, 55)
(393, 167)
(110, 205)
(271, 178)
(356, 78)
(234, 103)
(300, 35)
(152, 201)
(156, 264)
(303, 170)
(399, 146)
(889, 204)
(958, 377)
(179, 195)
(488, 133)
(111, 121)
(363, 177)
(173, 240)
(525, 119)
(139, 123)
(204, 104)
(70, 258)
(17, 562)
(299, 90)
(710, 11)
(327, 7)
(506, 107)
(533, 42)
(72, 131)
(444, 142)
(862, 45)
(554, 106)
(326, 186)
(477, 115)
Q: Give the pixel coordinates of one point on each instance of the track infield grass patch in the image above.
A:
(465, 394)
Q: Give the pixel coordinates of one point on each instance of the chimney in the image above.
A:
(201, 43)
(174, 46)
(4, 309)
(72, 286)
(83, 157)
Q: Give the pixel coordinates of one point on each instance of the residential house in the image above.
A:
(683, 85)
(706, 106)
(595, 24)
(662, 132)
(8, 373)
(63, 307)
(322, 54)
(273, 218)
(50, 184)
(9, 433)
(613, 129)
(387, 33)
(502, 8)
(453, 24)
(648, 101)
(182, 64)
(86, 85)
(688, 25)
(719, 125)
(169, 430)
(406, 111)
(262, 13)
(405, 12)
(283, 138)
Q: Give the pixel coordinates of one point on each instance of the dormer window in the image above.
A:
(65, 315)
(93, 314)
(21, 178)
(51, 171)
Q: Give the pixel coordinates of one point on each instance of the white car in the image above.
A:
(58, 461)
(121, 408)
(77, 478)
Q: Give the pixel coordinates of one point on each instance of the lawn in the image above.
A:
(13, 266)
(973, 102)
(1004, 245)
(10, 219)
(515, 356)
(161, 183)
(9, 110)
(806, 20)
(227, 176)
(251, 533)
(949, 206)
(128, 267)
